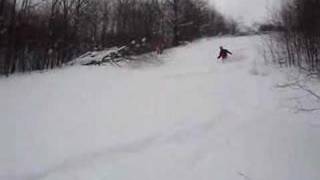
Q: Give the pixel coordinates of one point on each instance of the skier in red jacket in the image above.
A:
(223, 53)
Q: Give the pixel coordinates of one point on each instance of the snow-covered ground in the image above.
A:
(186, 118)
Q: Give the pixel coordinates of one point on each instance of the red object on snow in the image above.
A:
(223, 53)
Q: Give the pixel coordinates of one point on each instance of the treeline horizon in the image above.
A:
(37, 35)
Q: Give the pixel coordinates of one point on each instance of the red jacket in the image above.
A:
(224, 53)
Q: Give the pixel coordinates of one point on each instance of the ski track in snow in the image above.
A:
(105, 155)
(188, 117)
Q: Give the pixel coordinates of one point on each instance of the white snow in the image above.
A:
(190, 118)
(95, 56)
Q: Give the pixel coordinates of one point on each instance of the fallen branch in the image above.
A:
(309, 91)
(300, 108)
(308, 110)
(299, 84)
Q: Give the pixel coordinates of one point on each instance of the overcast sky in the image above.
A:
(248, 11)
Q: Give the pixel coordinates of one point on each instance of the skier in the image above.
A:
(223, 53)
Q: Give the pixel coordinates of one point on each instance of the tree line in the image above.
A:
(44, 34)
(298, 42)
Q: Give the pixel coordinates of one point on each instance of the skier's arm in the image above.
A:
(229, 52)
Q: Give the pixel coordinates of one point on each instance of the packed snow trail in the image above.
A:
(188, 117)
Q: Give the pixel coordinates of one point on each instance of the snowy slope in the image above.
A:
(189, 118)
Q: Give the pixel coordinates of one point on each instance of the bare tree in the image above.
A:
(299, 39)
(38, 35)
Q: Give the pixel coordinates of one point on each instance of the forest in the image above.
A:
(297, 42)
(37, 35)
